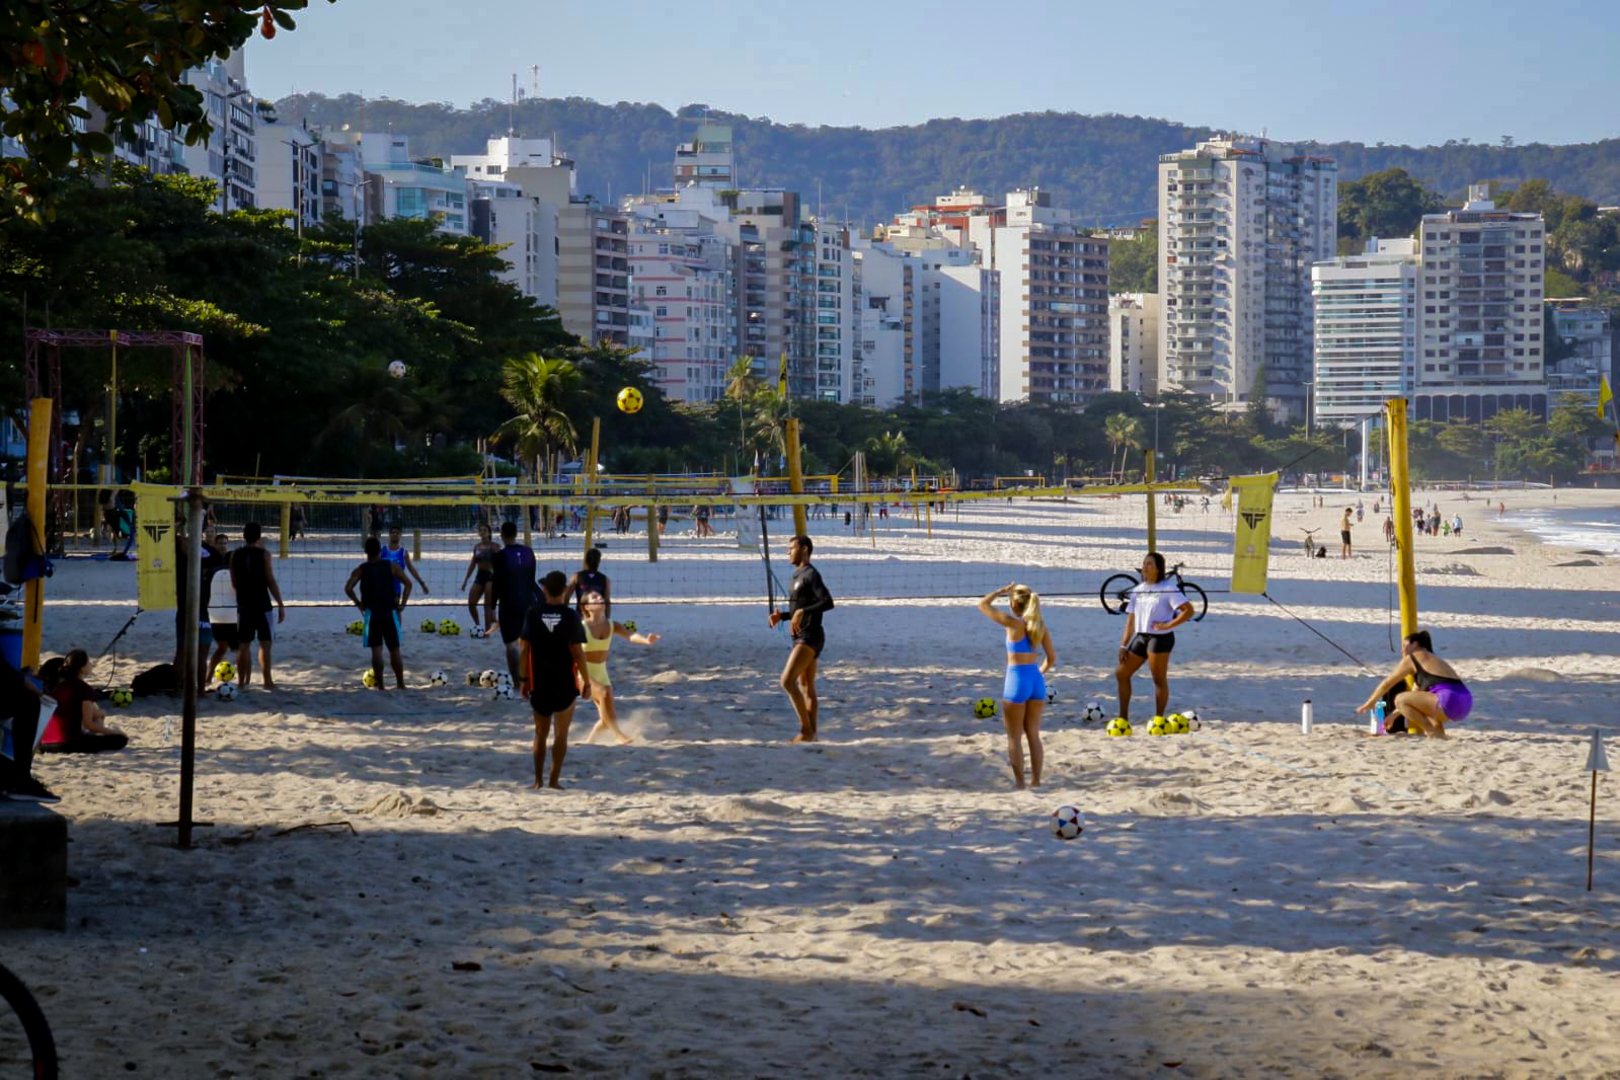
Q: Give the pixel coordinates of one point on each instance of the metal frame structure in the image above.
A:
(189, 365)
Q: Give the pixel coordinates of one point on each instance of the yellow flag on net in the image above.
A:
(781, 377)
(155, 563)
(1251, 548)
(1605, 395)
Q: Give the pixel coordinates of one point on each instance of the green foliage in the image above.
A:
(1512, 445)
(1386, 204)
(128, 60)
(1133, 265)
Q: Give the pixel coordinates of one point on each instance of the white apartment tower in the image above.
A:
(1480, 313)
(1365, 330)
(1133, 343)
(682, 271)
(705, 161)
(1241, 221)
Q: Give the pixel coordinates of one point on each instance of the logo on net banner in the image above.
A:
(1251, 550)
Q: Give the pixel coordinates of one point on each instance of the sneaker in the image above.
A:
(31, 790)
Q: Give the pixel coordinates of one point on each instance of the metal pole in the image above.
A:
(1150, 473)
(765, 546)
(191, 420)
(188, 661)
(590, 481)
(1591, 832)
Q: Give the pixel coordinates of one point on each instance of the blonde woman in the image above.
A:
(599, 633)
(1024, 693)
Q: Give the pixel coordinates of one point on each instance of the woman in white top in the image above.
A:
(1156, 608)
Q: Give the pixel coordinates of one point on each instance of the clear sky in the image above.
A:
(1397, 71)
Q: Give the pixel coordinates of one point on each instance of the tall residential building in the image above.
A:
(230, 154)
(1133, 343)
(593, 253)
(1587, 333)
(888, 348)
(1054, 300)
(526, 231)
(344, 187)
(500, 155)
(705, 161)
(1241, 221)
(684, 273)
(290, 170)
(1480, 313)
(1365, 331)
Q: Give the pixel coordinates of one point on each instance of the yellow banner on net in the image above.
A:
(154, 547)
(1251, 548)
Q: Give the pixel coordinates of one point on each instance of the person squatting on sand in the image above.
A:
(1024, 693)
(380, 604)
(1156, 608)
(808, 600)
(554, 672)
(1440, 697)
(599, 633)
(481, 570)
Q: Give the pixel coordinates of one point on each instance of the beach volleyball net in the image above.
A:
(720, 541)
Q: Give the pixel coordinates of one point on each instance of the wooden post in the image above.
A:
(652, 519)
(188, 663)
(1150, 473)
(416, 545)
(930, 510)
(39, 449)
(286, 529)
(1401, 496)
(590, 482)
(796, 476)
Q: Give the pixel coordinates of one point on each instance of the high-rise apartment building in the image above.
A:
(1133, 343)
(230, 154)
(1588, 336)
(684, 273)
(289, 170)
(1480, 313)
(1365, 330)
(593, 252)
(706, 160)
(1241, 221)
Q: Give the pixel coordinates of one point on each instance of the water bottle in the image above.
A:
(1305, 717)
(1376, 724)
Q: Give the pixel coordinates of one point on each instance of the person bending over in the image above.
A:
(1441, 696)
(1024, 694)
(1156, 608)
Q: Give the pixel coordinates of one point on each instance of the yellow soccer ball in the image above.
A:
(225, 671)
(984, 708)
(1158, 726)
(369, 679)
(629, 400)
(1178, 724)
(1119, 727)
(122, 696)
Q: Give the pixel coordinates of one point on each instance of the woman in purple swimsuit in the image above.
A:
(1441, 696)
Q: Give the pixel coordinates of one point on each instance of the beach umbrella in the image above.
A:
(1596, 761)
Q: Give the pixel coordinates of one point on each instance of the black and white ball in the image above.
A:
(1094, 713)
(397, 369)
(226, 691)
(1068, 822)
(486, 679)
(478, 632)
(503, 692)
(438, 678)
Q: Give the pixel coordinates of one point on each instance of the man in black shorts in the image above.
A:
(514, 590)
(254, 580)
(381, 605)
(808, 600)
(554, 672)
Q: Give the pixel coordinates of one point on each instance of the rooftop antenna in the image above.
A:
(534, 76)
(510, 107)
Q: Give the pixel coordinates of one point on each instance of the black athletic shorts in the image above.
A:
(1144, 644)
(227, 634)
(1344, 536)
(551, 700)
(816, 639)
(510, 620)
(381, 628)
(254, 625)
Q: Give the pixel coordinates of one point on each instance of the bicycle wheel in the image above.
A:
(1116, 593)
(26, 1046)
(1196, 597)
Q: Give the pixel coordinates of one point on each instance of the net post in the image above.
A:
(930, 511)
(416, 545)
(286, 529)
(652, 523)
(1400, 490)
(188, 663)
(39, 449)
(796, 476)
(589, 481)
(1150, 472)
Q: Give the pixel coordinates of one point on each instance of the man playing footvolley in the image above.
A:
(381, 605)
(254, 581)
(514, 590)
(554, 672)
(808, 600)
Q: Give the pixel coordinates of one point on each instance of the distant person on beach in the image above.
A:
(222, 609)
(253, 578)
(1156, 608)
(384, 592)
(1359, 510)
(1023, 693)
(481, 571)
(514, 590)
(1389, 531)
(590, 579)
(20, 695)
(808, 600)
(554, 672)
(1501, 509)
(599, 633)
(1456, 525)
(1441, 696)
(1344, 534)
(78, 726)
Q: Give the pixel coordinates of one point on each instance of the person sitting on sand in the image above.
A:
(78, 726)
(599, 633)
(1024, 693)
(1440, 697)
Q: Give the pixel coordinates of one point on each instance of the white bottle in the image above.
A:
(1305, 717)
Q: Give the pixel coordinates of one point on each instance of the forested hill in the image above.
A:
(1103, 166)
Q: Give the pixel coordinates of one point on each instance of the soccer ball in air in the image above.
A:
(478, 632)
(1093, 714)
(1191, 718)
(438, 678)
(225, 671)
(226, 691)
(503, 692)
(369, 679)
(629, 400)
(486, 679)
(397, 369)
(121, 696)
(1119, 727)
(429, 626)
(629, 626)
(1158, 726)
(1068, 822)
(450, 628)
(357, 627)
(984, 708)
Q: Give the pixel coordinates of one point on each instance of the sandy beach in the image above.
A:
(380, 895)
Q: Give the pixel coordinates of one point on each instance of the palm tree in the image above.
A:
(382, 411)
(542, 393)
(741, 386)
(1120, 430)
(770, 421)
(889, 452)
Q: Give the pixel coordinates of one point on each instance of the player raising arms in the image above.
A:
(599, 633)
(808, 600)
(1024, 693)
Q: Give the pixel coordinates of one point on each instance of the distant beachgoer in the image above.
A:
(590, 579)
(1359, 510)
(1156, 608)
(1024, 693)
(395, 553)
(1456, 525)
(1389, 530)
(1344, 534)
(1501, 509)
(253, 579)
(1441, 696)
(384, 592)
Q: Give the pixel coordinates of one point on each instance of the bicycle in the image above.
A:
(1116, 592)
(35, 1047)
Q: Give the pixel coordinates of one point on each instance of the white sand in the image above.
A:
(710, 902)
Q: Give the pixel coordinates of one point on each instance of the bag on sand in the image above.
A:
(157, 679)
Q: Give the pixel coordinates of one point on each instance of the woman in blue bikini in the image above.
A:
(1441, 696)
(1024, 694)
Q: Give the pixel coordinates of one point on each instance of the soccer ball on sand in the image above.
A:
(984, 708)
(1158, 726)
(369, 679)
(226, 692)
(1068, 822)
(486, 679)
(1093, 714)
(121, 696)
(1119, 726)
(438, 678)
(429, 626)
(450, 628)
(225, 671)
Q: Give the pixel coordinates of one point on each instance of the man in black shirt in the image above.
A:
(254, 580)
(381, 605)
(512, 586)
(808, 599)
(553, 671)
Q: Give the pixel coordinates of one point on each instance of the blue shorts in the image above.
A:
(1024, 683)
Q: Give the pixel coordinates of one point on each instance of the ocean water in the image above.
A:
(1597, 528)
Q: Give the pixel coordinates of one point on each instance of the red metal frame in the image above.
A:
(187, 347)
